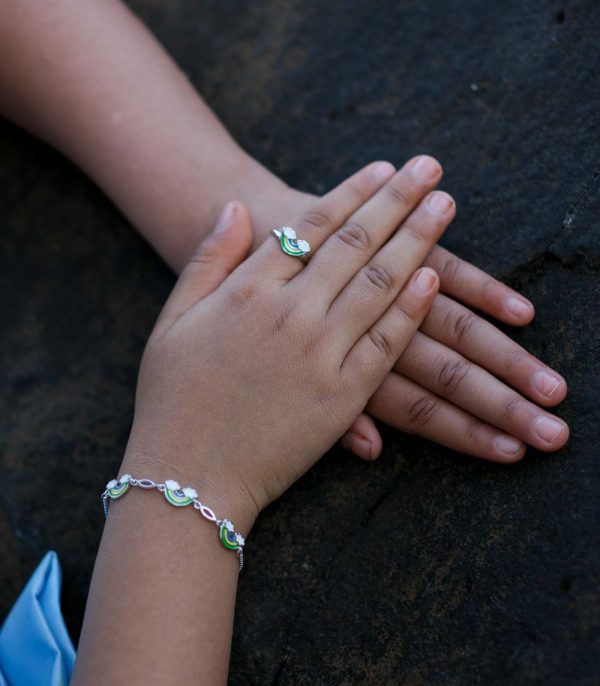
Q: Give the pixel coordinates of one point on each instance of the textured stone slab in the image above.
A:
(426, 567)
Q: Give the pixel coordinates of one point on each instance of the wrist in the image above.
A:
(223, 494)
(175, 222)
(194, 193)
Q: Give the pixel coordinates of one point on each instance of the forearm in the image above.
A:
(88, 78)
(161, 603)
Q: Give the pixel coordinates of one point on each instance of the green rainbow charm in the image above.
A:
(290, 244)
(116, 489)
(229, 538)
(180, 497)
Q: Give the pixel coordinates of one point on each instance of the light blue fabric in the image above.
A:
(35, 648)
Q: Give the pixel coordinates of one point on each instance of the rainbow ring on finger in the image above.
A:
(296, 247)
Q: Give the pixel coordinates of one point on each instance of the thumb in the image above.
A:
(215, 258)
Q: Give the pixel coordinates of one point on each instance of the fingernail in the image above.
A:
(382, 171)
(358, 444)
(366, 446)
(425, 168)
(548, 429)
(518, 307)
(507, 444)
(439, 203)
(225, 218)
(545, 383)
(425, 280)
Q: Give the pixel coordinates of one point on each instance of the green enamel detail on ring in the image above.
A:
(177, 498)
(289, 247)
(118, 490)
(290, 244)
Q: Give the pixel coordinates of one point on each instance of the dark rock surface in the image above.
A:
(425, 567)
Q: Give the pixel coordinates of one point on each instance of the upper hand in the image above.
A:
(249, 377)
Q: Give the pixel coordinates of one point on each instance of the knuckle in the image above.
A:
(490, 289)
(240, 295)
(311, 340)
(450, 269)
(281, 316)
(459, 324)
(357, 190)
(355, 235)
(328, 397)
(511, 406)
(396, 195)
(474, 430)
(408, 316)
(203, 255)
(421, 411)
(382, 342)
(379, 277)
(416, 233)
(318, 219)
(451, 375)
(438, 311)
(514, 359)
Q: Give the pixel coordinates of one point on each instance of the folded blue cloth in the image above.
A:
(35, 648)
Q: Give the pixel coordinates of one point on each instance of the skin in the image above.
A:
(138, 126)
(319, 338)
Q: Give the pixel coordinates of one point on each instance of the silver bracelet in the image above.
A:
(179, 497)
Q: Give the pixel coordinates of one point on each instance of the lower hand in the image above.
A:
(461, 382)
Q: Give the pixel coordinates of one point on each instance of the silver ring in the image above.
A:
(296, 247)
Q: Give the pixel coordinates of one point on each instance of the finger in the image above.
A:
(325, 216)
(362, 235)
(377, 283)
(363, 438)
(376, 351)
(215, 258)
(481, 342)
(406, 406)
(449, 375)
(477, 289)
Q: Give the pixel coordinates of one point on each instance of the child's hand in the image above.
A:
(159, 134)
(249, 377)
(461, 382)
